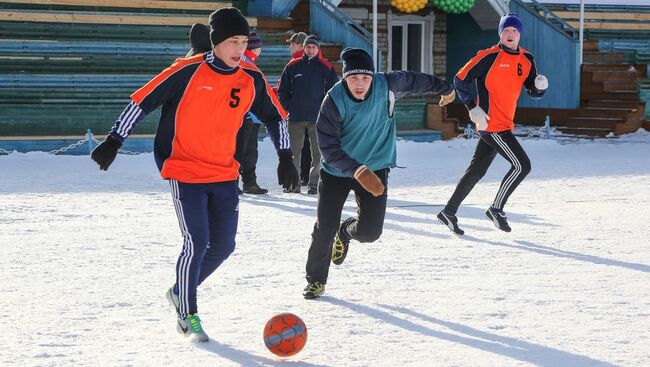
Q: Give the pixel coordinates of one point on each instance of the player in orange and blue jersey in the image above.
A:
(204, 99)
(499, 73)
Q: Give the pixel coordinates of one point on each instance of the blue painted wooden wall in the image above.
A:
(271, 8)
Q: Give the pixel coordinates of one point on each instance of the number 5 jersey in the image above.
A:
(204, 102)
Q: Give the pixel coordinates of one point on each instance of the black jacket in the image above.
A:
(303, 86)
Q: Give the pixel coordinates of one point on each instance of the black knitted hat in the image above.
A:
(199, 39)
(226, 23)
(254, 41)
(356, 61)
(311, 40)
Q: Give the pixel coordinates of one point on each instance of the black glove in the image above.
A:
(105, 153)
(287, 173)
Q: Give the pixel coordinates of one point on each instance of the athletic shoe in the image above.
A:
(340, 247)
(192, 326)
(313, 290)
(450, 221)
(498, 217)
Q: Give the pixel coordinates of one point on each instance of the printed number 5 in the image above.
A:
(235, 98)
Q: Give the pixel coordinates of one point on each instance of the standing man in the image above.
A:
(303, 85)
(246, 153)
(296, 44)
(499, 73)
(296, 50)
(356, 135)
(204, 99)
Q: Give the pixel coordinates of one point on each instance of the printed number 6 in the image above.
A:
(235, 98)
(519, 71)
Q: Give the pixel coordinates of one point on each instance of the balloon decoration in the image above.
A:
(409, 6)
(453, 6)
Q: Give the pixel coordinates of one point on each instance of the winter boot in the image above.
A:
(254, 189)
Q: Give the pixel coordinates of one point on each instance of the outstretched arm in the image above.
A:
(406, 83)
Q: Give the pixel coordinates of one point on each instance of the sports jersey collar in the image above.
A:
(507, 50)
(218, 65)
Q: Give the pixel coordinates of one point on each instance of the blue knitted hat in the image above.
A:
(510, 20)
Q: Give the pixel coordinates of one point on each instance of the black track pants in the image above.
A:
(487, 148)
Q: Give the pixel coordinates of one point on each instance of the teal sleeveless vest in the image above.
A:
(368, 133)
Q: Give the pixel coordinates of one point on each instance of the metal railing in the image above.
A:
(281, 9)
(89, 140)
(333, 25)
(550, 18)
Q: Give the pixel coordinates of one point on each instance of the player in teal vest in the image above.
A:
(356, 135)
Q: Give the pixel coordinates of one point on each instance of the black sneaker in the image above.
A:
(313, 290)
(498, 217)
(254, 189)
(450, 221)
(312, 191)
(340, 247)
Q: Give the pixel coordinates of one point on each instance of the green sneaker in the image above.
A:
(313, 290)
(191, 326)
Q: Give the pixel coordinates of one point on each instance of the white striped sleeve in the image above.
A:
(128, 120)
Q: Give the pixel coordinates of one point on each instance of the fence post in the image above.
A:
(547, 125)
(468, 131)
(89, 137)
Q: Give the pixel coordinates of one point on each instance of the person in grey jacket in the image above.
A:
(357, 138)
(303, 85)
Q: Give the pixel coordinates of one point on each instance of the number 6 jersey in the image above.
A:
(499, 73)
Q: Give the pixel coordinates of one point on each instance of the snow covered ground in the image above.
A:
(87, 256)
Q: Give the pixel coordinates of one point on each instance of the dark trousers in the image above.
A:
(305, 160)
(488, 146)
(365, 227)
(246, 151)
(208, 215)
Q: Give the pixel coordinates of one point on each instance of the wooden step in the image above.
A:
(602, 76)
(587, 86)
(607, 67)
(590, 46)
(605, 112)
(273, 25)
(437, 120)
(603, 58)
(620, 85)
(595, 122)
(331, 52)
(608, 103)
(582, 131)
(611, 95)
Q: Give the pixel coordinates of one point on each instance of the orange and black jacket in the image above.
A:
(499, 74)
(203, 106)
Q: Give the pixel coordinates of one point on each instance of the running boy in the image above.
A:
(204, 100)
(499, 73)
(356, 135)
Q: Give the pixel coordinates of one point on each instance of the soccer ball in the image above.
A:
(285, 334)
